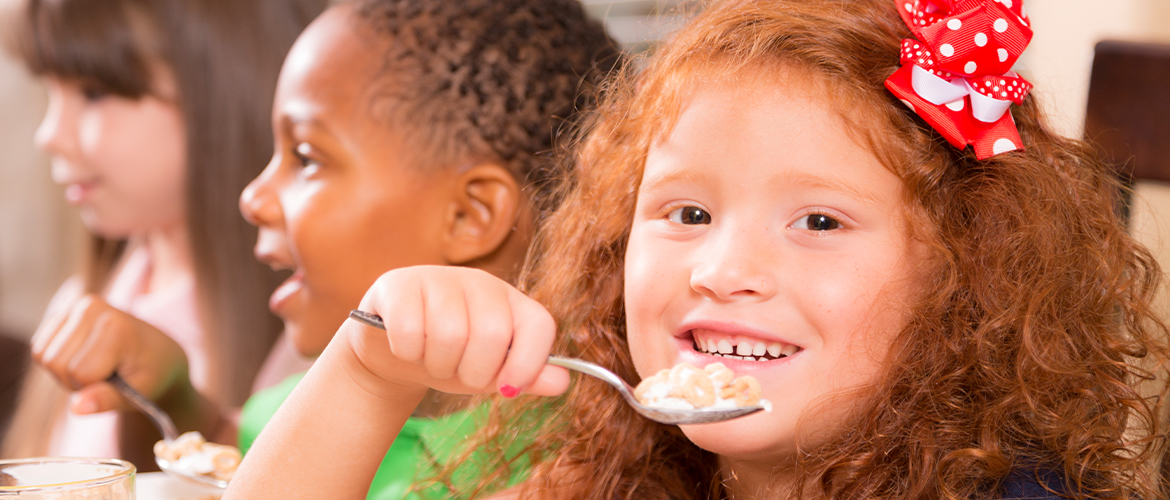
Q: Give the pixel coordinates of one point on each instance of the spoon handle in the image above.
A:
(161, 420)
(591, 369)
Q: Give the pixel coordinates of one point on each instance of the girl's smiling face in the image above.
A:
(338, 204)
(122, 161)
(763, 227)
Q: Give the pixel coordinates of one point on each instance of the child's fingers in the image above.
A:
(102, 351)
(61, 350)
(95, 398)
(552, 381)
(490, 335)
(445, 319)
(533, 333)
(398, 298)
(46, 331)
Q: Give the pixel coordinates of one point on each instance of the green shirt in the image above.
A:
(421, 444)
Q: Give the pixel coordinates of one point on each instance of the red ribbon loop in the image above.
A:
(957, 75)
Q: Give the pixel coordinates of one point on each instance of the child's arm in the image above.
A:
(83, 340)
(454, 329)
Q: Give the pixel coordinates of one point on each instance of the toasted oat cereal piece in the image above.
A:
(720, 375)
(642, 392)
(185, 444)
(744, 390)
(692, 385)
(224, 460)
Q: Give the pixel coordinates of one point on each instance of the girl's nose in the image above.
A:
(736, 267)
(259, 203)
(56, 134)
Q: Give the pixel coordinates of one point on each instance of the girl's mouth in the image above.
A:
(286, 290)
(78, 193)
(740, 347)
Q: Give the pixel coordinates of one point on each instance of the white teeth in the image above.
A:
(774, 349)
(745, 350)
(725, 347)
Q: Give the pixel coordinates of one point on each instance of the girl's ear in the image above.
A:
(486, 205)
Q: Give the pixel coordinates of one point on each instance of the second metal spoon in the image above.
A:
(165, 426)
(662, 415)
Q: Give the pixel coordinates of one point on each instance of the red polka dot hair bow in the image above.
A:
(957, 75)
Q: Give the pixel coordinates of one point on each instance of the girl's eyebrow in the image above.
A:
(810, 181)
(294, 116)
(680, 175)
(302, 114)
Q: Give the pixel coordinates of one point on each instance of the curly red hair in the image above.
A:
(1023, 354)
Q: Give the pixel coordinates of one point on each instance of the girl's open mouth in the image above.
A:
(286, 290)
(740, 347)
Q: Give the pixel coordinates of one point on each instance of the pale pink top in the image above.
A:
(173, 311)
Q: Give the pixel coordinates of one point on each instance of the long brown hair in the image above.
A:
(225, 56)
(1022, 356)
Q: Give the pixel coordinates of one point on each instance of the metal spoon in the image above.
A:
(661, 415)
(165, 426)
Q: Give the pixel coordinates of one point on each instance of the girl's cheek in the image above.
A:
(89, 132)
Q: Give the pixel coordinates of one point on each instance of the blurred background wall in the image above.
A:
(39, 234)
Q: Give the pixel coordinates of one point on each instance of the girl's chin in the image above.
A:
(753, 437)
(101, 228)
(306, 344)
(310, 331)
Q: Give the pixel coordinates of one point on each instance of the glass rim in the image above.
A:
(127, 469)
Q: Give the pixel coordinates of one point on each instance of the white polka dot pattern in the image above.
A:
(964, 51)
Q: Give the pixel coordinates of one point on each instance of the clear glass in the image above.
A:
(66, 479)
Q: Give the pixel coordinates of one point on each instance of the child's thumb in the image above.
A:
(94, 398)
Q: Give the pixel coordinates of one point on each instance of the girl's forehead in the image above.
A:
(741, 81)
(331, 65)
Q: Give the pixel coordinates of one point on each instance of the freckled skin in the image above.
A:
(761, 157)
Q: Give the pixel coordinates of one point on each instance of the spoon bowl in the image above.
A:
(671, 416)
(199, 479)
(165, 426)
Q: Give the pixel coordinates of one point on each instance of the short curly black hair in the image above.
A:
(488, 80)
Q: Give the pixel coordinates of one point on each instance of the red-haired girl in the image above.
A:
(951, 322)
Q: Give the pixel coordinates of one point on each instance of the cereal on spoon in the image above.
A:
(686, 387)
(191, 454)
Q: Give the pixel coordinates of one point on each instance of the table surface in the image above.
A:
(159, 486)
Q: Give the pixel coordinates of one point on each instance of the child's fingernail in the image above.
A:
(83, 406)
(508, 391)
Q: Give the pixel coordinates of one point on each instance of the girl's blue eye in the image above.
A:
(689, 215)
(817, 222)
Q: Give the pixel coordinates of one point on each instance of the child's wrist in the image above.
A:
(344, 363)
